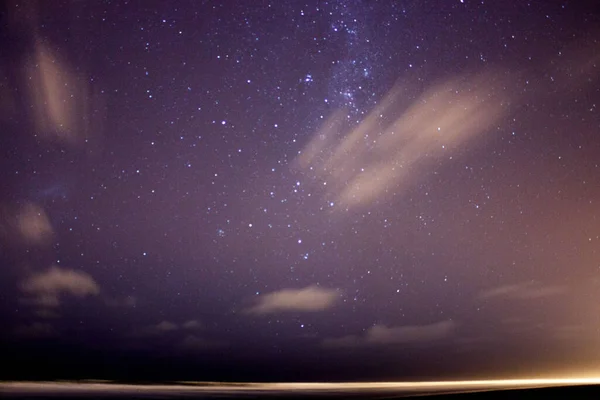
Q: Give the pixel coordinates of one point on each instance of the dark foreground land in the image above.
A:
(274, 391)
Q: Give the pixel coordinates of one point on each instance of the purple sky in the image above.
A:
(329, 190)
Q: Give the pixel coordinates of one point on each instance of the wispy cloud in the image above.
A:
(523, 291)
(384, 153)
(384, 335)
(60, 102)
(47, 287)
(311, 298)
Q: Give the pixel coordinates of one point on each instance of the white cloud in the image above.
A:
(46, 287)
(383, 335)
(310, 298)
(523, 291)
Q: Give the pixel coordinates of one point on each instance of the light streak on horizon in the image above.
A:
(239, 387)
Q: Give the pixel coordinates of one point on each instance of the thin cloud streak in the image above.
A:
(166, 327)
(383, 335)
(523, 291)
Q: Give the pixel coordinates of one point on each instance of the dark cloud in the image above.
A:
(159, 329)
(36, 330)
(196, 343)
(396, 335)
(166, 327)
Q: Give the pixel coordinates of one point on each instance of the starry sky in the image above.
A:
(286, 190)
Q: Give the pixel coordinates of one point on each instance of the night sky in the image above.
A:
(285, 190)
